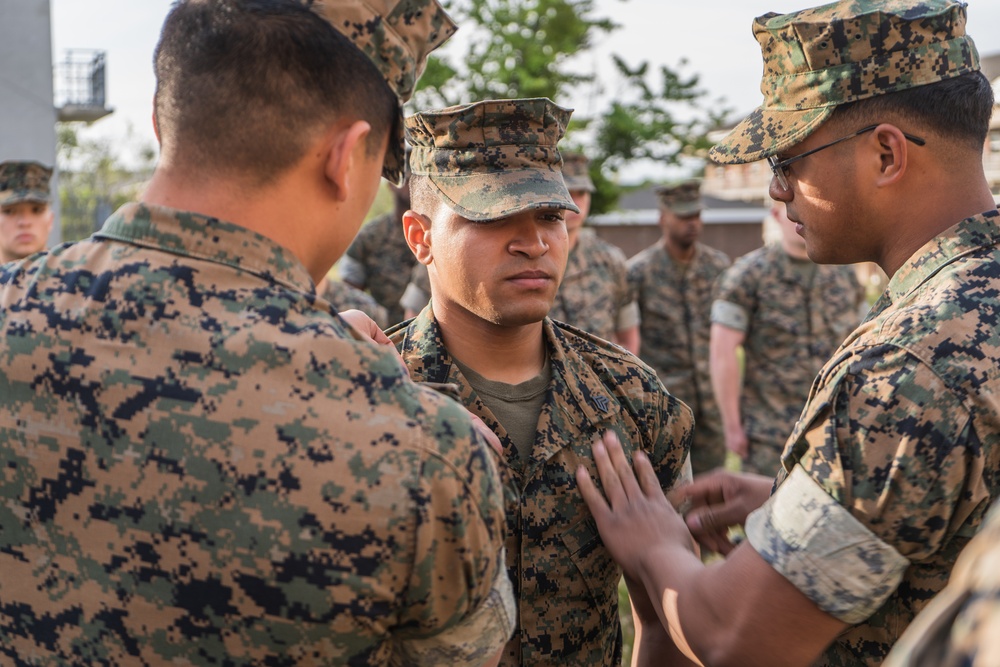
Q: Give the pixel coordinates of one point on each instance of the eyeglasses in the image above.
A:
(780, 167)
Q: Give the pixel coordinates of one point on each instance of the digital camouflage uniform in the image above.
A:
(347, 297)
(894, 460)
(201, 463)
(959, 627)
(896, 456)
(792, 328)
(202, 466)
(594, 293)
(564, 579)
(487, 161)
(380, 261)
(675, 300)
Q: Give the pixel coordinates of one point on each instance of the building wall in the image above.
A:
(733, 239)
(27, 110)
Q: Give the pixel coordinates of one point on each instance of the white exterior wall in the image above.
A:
(27, 109)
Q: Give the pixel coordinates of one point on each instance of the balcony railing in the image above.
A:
(80, 86)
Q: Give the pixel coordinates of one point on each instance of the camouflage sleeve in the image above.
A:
(824, 551)
(628, 317)
(959, 626)
(736, 296)
(458, 606)
(894, 447)
(634, 276)
(671, 431)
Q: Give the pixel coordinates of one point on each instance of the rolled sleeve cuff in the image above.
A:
(729, 314)
(830, 556)
(628, 317)
(475, 639)
(352, 271)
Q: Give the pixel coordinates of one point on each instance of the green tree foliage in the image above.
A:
(93, 180)
(515, 48)
(526, 48)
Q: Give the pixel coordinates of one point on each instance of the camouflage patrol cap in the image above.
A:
(494, 158)
(683, 199)
(397, 35)
(818, 59)
(576, 172)
(24, 181)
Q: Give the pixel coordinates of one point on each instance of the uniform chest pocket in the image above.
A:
(596, 568)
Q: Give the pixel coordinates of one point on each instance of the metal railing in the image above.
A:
(80, 79)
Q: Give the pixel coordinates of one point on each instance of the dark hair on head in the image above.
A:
(958, 108)
(243, 86)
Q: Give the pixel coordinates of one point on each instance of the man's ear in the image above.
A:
(893, 154)
(417, 230)
(342, 155)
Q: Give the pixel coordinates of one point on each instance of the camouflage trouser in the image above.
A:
(764, 458)
(708, 447)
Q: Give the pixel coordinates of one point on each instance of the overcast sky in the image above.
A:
(713, 36)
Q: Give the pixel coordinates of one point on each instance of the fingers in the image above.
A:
(621, 465)
(609, 476)
(647, 476)
(595, 501)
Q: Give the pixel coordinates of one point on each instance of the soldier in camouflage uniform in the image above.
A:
(874, 120)
(959, 627)
(672, 281)
(488, 203)
(348, 297)
(378, 259)
(201, 464)
(594, 293)
(25, 213)
(790, 315)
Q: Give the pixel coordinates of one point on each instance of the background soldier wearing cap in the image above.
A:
(202, 464)
(378, 259)
(488, 222)
(25, 213)
(594, 293)
(790, 315)
(874, 120)
(672, 281)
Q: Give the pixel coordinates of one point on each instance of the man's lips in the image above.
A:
(533, 278)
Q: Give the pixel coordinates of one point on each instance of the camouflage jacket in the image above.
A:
(201, 466)
(896, 456)
(791, 330)
(959, 626)
(594, 293)
(380, 261)
(345, 297)
(565, 581)
(675, 300)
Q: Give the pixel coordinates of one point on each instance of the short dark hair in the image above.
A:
(242, 85)
(959, 108)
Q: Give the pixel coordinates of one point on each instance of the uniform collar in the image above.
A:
(202, 237)
(971, 234)
(576, 386)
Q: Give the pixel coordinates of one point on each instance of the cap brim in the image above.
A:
(19, 197)
(394, 163)
(497, 195)
(579, 183)
(767, 132)
(685, 210)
